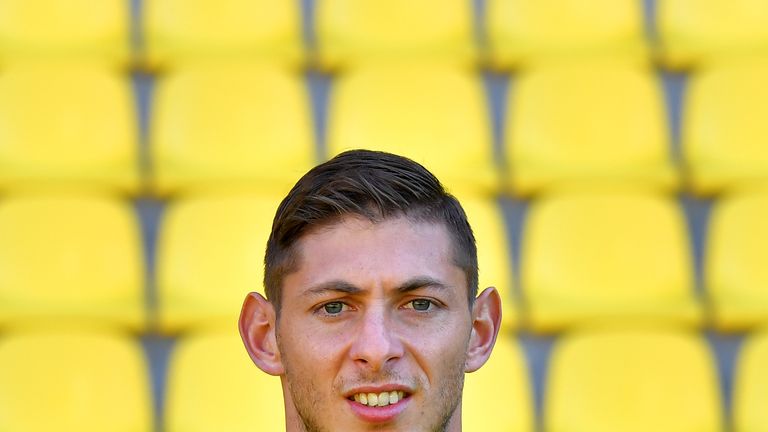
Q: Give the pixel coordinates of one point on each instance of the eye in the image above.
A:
(420, 304)
(333, 308)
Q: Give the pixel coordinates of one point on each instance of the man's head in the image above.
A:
(371, 279)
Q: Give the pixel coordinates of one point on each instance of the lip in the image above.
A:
(378, 414)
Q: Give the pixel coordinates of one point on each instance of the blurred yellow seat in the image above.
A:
(524, 32)
(434, 115)
(632, 381)
(723, 128)
(352, 32)
(587, 124)
(72, 29)
(750, 393)
(177, 32)
(736, 274)
(70, 259)
(701, 32)
(214, 386)
(230, 126)
(493, 254)
(73, 382)
(67, 125)
(498, 396)
(210, 255)
(606, 258)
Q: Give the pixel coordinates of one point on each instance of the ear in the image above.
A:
(257, 329)
(486, 321)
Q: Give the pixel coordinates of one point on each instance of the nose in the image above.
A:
(376, 342)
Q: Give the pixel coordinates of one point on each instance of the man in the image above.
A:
(371, 317)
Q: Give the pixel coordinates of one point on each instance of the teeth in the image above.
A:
(379, 400)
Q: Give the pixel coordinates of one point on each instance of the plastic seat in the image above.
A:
(67, 126)
(587, 124)
(750, 394)
(353, 32)
(606, 258)
(210, 256)
(434, 115)
(180, 32)
(228, 127)
(736, 276)
(213, 385)
(70, 259)
(75, 29)
(632, 381)
(493, 254)
(723, 132)
(525, 32)
(696, 33)
(73, 382)
(497, 397)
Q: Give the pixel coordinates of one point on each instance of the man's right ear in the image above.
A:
(257, 329)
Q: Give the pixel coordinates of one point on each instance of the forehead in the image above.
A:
(375, 254)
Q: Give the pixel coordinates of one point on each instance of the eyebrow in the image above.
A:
(344, 287)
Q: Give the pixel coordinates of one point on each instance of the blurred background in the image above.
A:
(612, 157)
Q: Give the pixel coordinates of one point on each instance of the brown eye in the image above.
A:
(421, 304)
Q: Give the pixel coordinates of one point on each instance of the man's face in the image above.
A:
(374, 328)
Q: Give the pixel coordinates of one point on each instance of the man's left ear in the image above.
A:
(486, 321)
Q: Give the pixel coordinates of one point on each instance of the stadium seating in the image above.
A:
(213, 385)
(751, 386)
(73, 382)
(180, 32)
(698, 33)
(498, 397)
(67, 126)
(353, 32)
(493, 255)
(432, 114)
(723, 132)
(225, 126)
(70, 30)
(210, 256)
(70, 258)
(736, 275)
(632, 381)
(527, 32)
(587, 124)
(606, 258)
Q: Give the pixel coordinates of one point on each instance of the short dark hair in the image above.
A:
(374, 185)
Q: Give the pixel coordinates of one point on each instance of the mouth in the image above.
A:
(380, 399)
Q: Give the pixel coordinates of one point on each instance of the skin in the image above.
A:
(373, 306)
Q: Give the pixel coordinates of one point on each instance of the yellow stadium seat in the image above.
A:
(498, 397)
(587, 124)
(493, 254)
(210, 255)
(525, 32)
(701, 32)
(213, 385)
(353, 32)
(606, 258)
(72, 29)
(750, 394)
(632, 381)
(70, 258)
(434, 115)
(723, 132)
(67, 125)
(179, 32)
(73, 382)
(736, 275)
(228, 127)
